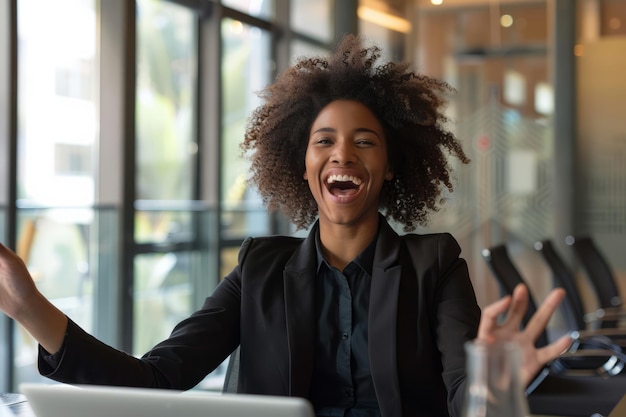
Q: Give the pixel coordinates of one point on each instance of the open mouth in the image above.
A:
(343, 185)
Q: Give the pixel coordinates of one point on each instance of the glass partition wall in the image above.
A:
(537, 103)
(496, 57)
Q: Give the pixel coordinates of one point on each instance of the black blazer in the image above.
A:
(422, 311)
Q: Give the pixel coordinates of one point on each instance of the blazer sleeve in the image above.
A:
(196, 346)
(457, 318)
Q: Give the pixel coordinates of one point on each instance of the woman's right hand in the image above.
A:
(16, 284)
(21, 300)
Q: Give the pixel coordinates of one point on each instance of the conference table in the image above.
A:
(14, 405)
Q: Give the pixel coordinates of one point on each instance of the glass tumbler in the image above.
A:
(494, 387)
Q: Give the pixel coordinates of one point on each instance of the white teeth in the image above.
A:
(343, 178)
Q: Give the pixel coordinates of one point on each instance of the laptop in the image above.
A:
(60, 400)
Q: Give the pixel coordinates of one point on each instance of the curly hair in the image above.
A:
(408, 105)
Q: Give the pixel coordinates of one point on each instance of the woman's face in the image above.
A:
(346, 163)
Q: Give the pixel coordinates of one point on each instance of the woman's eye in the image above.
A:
(323, 141)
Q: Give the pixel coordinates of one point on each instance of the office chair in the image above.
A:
(598, 271)
(588, 354)
(562, 276)
(231, 380)
(573, 309)
(508, 277)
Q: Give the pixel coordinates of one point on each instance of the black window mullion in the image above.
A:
(8, 163)
(127, 233)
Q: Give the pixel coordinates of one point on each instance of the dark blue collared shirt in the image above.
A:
(342, 383)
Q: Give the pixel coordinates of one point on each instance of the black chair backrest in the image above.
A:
(598, 271)
(563, 276)
(508, 276)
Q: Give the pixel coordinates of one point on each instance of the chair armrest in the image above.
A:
(587, 356)
(611, 333)
(591, 355)
(611, 313)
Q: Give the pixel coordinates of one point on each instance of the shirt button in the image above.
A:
(344, 336)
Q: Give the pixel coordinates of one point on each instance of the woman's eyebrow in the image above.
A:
(367, 130)
(357, 130)
(325, 129)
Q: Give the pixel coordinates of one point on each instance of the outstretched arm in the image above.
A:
(533, 359)
(21, 300)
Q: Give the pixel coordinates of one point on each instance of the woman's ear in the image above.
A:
(389, 174)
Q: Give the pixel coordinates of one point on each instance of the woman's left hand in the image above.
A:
(533, 359)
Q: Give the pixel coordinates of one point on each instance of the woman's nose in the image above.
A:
(343, 153)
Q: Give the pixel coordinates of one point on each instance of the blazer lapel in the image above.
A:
(299, 285)
(382, 326)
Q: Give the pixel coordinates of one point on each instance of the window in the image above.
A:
(166, 161)
(313, 18)
(257, 8)
(57, 137)
(246, 69)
